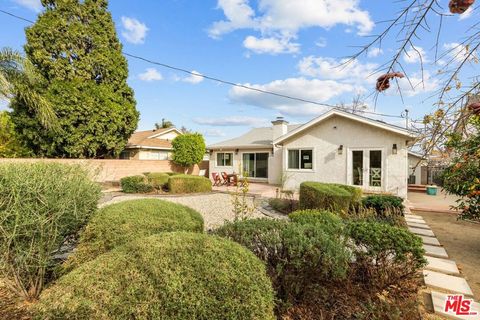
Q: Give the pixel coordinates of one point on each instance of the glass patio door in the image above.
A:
(255, 165)
(366, 169)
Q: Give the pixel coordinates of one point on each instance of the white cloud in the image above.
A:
(418, 85)
(282, 19)
(467, 14)
(214, 133)
(415, 55)
(34, 5)
(195, 78)
(458, 52)
(374, 52)
(310, 89)
(150, 74)
(134, 31)
(321, 42)
(270, 45)
(232, 121)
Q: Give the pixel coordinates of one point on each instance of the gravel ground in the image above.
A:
(214, 207)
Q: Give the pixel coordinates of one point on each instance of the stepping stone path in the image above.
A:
(440, 273)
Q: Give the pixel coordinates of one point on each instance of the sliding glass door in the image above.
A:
(255, 165)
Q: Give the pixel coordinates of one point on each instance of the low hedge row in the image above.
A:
(183, 183)
(175, 275)
(384, 204)
(174, 182)
(316, 195)
(136, 184)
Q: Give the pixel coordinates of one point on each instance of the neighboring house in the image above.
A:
(150, 145)
(417, 168)
(336, 147)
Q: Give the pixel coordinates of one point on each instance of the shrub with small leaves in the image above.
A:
(384, 204)
(316, 195)
(136, 184)
(158, 180)
(183, 183)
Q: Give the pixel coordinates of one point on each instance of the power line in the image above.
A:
(227, 82)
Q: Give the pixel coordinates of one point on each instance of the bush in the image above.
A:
(158, 180)
(355, 192)
(330, 222)
(188, 149)
(316, 195)
(283, 205)
(135, 184)
(166, 276)
(126, 221)
(183, 183)
(384, 204)
(298, 256)
(42, 205)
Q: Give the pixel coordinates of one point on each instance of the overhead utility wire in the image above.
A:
(233, 84)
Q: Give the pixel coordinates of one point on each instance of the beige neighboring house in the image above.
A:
(336, 147)
(150, 145)
(417, 168)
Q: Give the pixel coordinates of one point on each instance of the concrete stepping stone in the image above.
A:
(414, 216)
(415, 220)
(439, 299)
(442, 265)
(430, 240)
(418, 225)
(434, 251)
(440, 281)
(422, 232)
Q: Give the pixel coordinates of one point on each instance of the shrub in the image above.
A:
(384, 204)
(299, 257)
(355, 192)
(283, 205)
(166, 276)
(158, 180)
(42, 205)
(188, 149)
(135, 184)
(330, 222)
(183, 183)
(315, 195)
(123, 222)
(387, 254)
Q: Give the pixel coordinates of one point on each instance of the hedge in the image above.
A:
(166, 276)
(384, 204)
(330, 222)
(158, 180)
(316, 195)
(183, 183)
(355, 192)
(126, 221)
(136, 184)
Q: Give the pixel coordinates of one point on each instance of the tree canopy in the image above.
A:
(188, 149)
(75, 49)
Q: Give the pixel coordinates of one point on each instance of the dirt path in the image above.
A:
(461, 239)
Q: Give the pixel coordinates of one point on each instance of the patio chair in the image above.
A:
(216, 179)
(226, 179)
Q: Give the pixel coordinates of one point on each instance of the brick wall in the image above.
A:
(107, 170)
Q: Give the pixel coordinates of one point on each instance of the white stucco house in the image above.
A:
(336, 147)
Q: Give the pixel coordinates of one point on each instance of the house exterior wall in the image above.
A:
(413, 161)
(329, 166)
(236, 166)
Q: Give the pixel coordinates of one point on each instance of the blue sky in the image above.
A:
(286, 46)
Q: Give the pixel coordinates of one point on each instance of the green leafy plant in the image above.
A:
(316, 195)
(188, 149)
(329, 221)
(355, 192)
(120, 223)
(158, 180)
(10, 144)
(183, 183)
(136, 184)
(42, 207)
(174, 275)
(384, 204)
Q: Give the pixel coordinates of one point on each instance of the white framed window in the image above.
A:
(224, 159)
(300, 159)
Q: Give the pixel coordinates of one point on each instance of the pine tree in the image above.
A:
(75, 48)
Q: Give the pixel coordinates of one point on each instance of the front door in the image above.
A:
(366, 169)
(255, 165)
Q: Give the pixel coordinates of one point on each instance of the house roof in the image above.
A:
(148, 139)
(348, 115)
(416, 155)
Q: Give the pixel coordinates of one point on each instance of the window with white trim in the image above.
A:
(300, 159)
(224, 159)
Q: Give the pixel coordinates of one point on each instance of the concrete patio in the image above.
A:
(258, 189)
(442, 202)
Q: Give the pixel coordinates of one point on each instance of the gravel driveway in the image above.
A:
(215, 207)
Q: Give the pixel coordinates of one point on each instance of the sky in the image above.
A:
(288, 47)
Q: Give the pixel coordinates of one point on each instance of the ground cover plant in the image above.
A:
(123, 222)
(173, 275)
(42, 207)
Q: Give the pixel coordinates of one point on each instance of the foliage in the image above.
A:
(126, 221)
(136, 184)
(384, 204)
(188, 149)
(462, 177)
(243, 205)
(329, 221)
(299, 257)
(166, 276)
(316, 195)
(158, 180)
(355, 192)
(42, 206)
(183, 183)
(165, 124)
(10, 145)
(283, 205)
(74, 48)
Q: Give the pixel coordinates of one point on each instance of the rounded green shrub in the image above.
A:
(135, 184)
(120, 223)
(183, 183)
(316, 195)
(158, 180)
(175, 275)
(384, 204)
(355, 192)
(41, 205)
(331, 222)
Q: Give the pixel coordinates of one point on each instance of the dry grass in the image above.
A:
(12, 307)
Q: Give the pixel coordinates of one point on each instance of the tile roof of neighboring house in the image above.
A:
(147, 139)
(255, 138)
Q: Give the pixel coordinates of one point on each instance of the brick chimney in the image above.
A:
(279, 127)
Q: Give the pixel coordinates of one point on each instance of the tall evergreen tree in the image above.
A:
(74, 46)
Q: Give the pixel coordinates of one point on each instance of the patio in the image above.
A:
(442, 202)
(258, 189)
